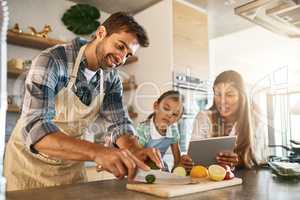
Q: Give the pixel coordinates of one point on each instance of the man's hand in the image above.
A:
(187, 162)
(119, 162)
(149, 153)
(228, 158)
(131, 143)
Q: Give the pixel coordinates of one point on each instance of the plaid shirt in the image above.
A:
(49, 74)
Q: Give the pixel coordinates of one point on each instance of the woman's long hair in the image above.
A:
(243, 122)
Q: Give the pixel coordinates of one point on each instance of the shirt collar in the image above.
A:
(153, 128)
(77, 44)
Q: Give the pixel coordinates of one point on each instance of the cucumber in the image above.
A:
(150, 178)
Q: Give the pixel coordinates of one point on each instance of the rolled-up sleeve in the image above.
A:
(39, 100)
(114, 112)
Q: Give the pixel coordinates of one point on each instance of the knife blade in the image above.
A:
(162, 177)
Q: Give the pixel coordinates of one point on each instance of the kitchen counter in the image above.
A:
(257, 185)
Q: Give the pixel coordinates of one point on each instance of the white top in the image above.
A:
(89, 74)
(202, 127)
(155, 135)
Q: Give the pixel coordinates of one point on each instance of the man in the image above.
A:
(67, 87)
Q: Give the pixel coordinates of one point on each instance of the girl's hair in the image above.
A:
(171, 94)
(243, 123)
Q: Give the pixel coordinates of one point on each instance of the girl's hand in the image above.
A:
(186, 162)
(228, 158)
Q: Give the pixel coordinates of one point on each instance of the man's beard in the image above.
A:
(103, 62)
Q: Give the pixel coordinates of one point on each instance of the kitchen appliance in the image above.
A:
(195, 94)
(286, 166)
(293, 152)
(280, 16)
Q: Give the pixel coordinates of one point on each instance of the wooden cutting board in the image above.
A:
(179, 190)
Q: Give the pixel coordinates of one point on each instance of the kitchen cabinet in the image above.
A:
(28, 40)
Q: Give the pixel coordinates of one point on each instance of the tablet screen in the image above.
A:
(204, 151)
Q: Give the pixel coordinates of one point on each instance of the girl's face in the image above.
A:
(167, 112)
(226, 98)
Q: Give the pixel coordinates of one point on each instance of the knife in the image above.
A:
(161, 177)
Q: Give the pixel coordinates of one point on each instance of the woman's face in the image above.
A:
(226, 98)
(167, 112)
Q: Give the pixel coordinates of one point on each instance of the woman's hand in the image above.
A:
(187, 162)
(228, 158)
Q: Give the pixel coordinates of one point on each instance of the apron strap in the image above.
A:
(101, 84)
(76, 67)
(73, 75)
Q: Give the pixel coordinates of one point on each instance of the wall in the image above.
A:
(153, 71)
(256, 53)
(36, 13)
(266, 61)
(190, 31)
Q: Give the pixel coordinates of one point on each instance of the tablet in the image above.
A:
(204, 151)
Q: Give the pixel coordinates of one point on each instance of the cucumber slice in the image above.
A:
(150, 178)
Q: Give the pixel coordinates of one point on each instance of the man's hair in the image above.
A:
(122, 21)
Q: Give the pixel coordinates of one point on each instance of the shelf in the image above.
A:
(129, 86)
(133, 115)
(27, 40)
(13, 108)
(15, 72)
(131, 60)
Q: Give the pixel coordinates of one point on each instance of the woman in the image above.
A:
(229, 115)
(159, 130)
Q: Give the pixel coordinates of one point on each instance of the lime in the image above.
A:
(179, 171)
(216, 172)
(150, 178)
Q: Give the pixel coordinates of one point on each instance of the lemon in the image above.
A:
(216, 172)
(199, 171)
(180, 171)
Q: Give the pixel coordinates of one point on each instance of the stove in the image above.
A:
(293, 158)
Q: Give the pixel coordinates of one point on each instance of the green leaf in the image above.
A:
(81, 19)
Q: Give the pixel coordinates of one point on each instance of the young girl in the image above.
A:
(159, 130)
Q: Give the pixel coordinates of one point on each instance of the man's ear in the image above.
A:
(101, 33)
